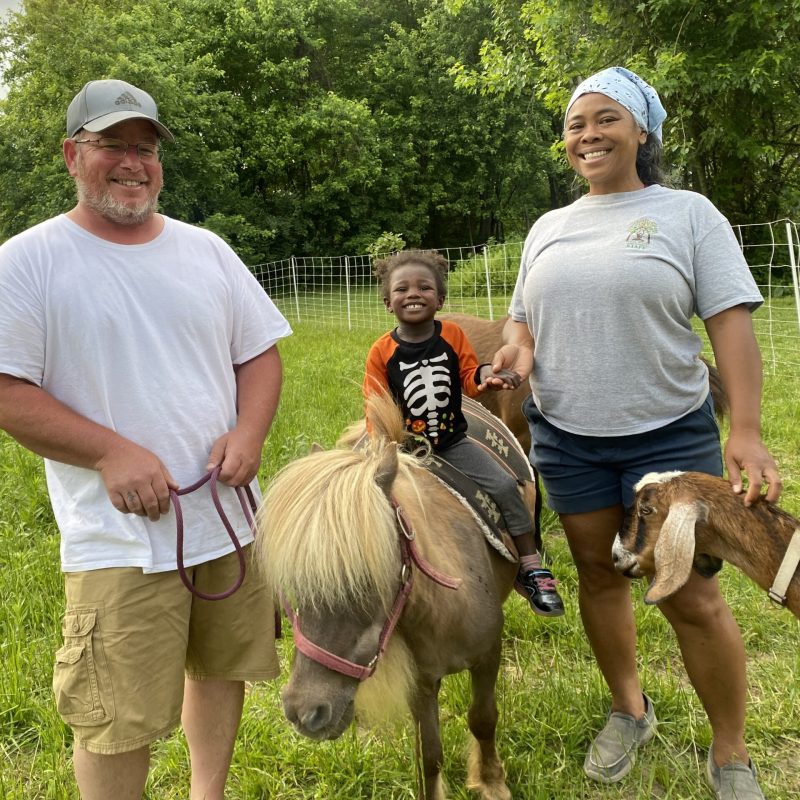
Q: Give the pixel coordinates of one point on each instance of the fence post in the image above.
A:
(794, 269)
(293, 266)
(505, 274)
(347, 290)
(487, 271)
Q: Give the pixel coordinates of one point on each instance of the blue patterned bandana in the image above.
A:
(631, 92)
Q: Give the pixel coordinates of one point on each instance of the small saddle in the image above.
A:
(491, 434)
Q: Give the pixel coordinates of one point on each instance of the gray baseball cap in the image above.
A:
(101, 104)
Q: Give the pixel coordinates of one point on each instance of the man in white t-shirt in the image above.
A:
(137, 353)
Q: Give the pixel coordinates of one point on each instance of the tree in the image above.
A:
(727, 73)
(52, 50)
(303, 126)
(478, 163)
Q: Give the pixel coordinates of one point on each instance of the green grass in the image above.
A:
(551, 696)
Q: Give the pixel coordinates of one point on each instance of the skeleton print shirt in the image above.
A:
(426, 379)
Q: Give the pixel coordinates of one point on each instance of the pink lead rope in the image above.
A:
(242, 492)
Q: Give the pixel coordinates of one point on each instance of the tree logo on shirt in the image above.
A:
(639, 234)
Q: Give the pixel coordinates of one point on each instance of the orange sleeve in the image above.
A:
(467, 358)
(376, 377)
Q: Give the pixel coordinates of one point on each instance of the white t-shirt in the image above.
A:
(608, 286)
(141, 339)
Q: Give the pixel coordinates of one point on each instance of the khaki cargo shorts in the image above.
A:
(130, 639)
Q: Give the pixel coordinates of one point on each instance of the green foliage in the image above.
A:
(302, 127)
(727, 73)
(386, 244)
(487, 270)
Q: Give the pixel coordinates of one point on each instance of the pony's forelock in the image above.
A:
(327, 536)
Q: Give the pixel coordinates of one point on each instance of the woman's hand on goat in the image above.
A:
(739, 363)
(745, 452)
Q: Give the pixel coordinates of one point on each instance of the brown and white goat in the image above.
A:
(681, 520)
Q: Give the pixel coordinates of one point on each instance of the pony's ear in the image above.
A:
(387, 468)
(674, 550)
(316, 447)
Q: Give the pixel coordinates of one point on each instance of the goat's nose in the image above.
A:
(618, 552)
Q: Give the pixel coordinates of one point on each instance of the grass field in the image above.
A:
(551, 696)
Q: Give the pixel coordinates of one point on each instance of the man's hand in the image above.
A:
(238, 455)
(136, 480)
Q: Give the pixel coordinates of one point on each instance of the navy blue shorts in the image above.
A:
(587, 473)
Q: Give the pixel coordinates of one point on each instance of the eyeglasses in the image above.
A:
(148, 152)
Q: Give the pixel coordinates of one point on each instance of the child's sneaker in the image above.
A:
(538, 587)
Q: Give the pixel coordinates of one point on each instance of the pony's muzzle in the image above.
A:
(307, 719)
(316, 719)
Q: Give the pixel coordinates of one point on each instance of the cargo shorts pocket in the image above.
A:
(81, 680)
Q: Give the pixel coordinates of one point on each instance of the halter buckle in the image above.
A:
(405, 526)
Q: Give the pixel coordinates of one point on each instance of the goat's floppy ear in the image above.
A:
(674, 550)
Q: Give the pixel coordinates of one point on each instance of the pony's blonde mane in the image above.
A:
(327, 535)
(385, 422)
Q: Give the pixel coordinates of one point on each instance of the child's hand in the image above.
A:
(496, 381)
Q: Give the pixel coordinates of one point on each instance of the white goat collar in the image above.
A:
(791, 559)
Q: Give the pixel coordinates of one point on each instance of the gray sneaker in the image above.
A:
(613, 752)
(734, 781)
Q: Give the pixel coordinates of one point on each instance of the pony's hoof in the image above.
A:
(495, 791)
(486, 777)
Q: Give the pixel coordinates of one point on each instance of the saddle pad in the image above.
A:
(491, 433)
(481, 504)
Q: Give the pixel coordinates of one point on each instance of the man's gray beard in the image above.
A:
(107, 207)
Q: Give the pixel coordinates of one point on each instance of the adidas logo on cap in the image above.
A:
(127, 99)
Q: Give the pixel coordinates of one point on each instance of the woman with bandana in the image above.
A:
(600, 321)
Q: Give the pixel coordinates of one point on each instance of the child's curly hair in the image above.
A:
(432, 259)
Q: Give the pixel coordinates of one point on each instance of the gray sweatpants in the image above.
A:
(477, 464)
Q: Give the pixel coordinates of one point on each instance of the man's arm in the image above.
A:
(258, 389)
(135, 479)
(739, 363)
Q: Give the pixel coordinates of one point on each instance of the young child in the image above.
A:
(425, 363)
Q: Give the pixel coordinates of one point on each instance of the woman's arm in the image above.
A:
(739, 363)
(517, 352)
